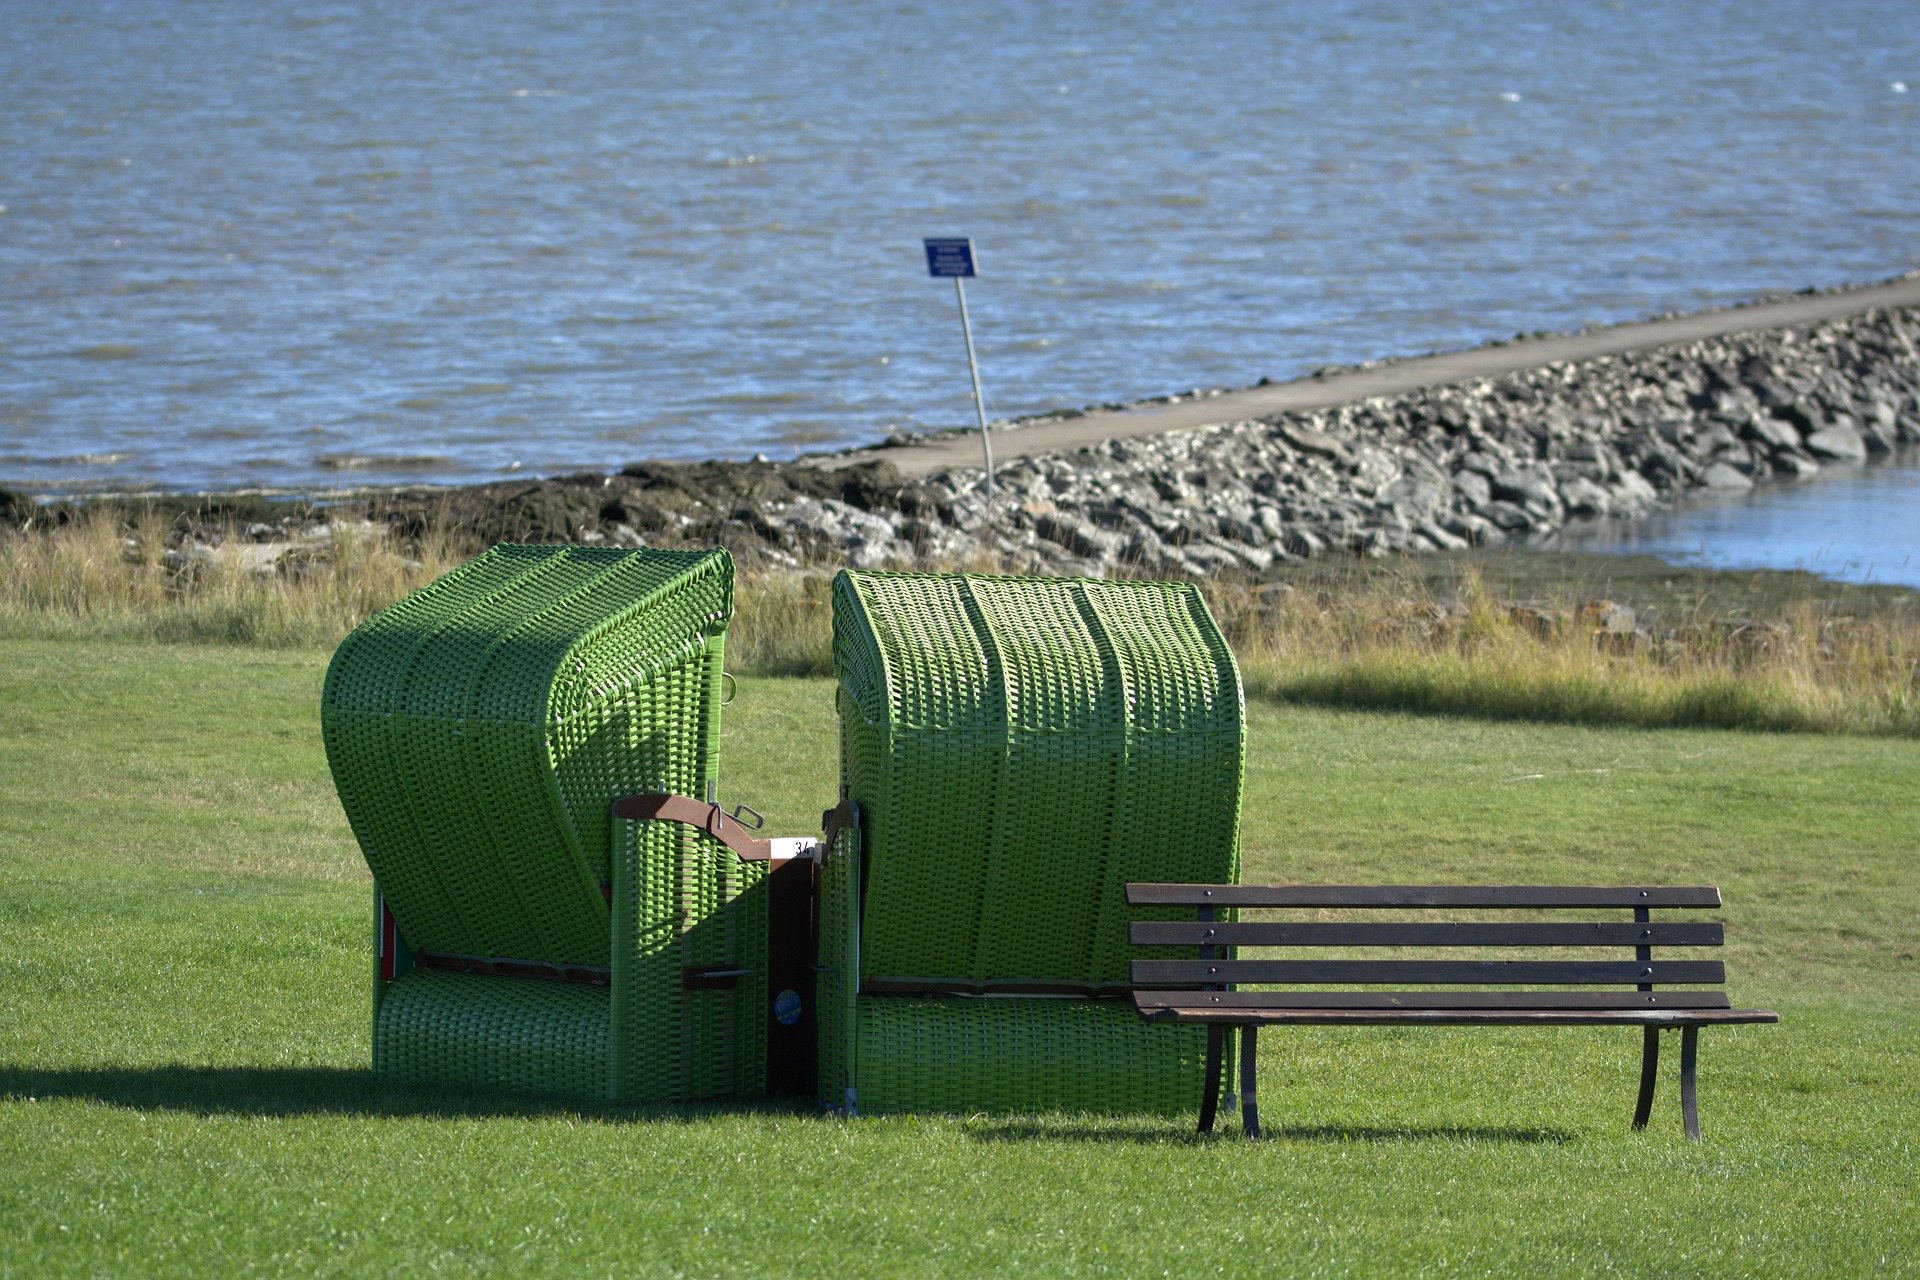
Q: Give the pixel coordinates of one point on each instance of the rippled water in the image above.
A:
(1857, 524)
(305, 244)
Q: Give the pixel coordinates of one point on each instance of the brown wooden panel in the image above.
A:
(1459, 1017)
(1415, 895)
(1418, 972)
(887, 986)
(1432, 999)
(792, 903)
(695, 977)
(1412, 933)
(708, 818)
(501, 967)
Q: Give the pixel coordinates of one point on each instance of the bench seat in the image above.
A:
(1214, 996)
(1465, 1008)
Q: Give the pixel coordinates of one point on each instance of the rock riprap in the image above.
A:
(1478, 462)
(1484, 461)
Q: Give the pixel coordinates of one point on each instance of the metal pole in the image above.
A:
(973, 367)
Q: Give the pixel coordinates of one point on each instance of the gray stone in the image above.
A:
(1473, 487)
(1374, 468)
(1080, 537)
(1442, 539)
(1804, 414)
(1712, 438)
(1666, 467)
(1420, 494)
(1585, 498)
(1243, 531)
(1719, 475)
(1776, 433)
(1308, 440)
(1839, 440)
(1630, 493)
(1204, 560)
(1530, 487)
(1505, 515)
(1482, 461)
(1302, 541)
(1468, 526)
(1604, 463)
(1377, 543)
(1792, 462)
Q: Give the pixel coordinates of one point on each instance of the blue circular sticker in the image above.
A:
(786, 1007)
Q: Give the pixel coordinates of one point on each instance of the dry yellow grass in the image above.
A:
(98, 578)
(1344, 633)
(1394, 644)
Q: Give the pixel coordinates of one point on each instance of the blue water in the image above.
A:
(1853, 523)
(312, 244)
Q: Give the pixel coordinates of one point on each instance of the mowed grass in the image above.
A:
(184, 1044)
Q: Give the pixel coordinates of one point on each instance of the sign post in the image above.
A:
(951, 258)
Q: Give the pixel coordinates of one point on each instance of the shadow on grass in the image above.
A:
(287, 1092)
(1095, 1132)
(295, 1092)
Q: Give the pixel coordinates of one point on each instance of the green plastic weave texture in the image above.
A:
(1020, 749)
(962, 1054)
(692, 905)
(479, 729)
(836, 971)
(487, 1032)
(478, 732)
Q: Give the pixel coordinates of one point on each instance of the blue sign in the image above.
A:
(949, 257)
(786, 1007)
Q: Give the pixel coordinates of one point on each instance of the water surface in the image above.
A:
(306, 244)
(1852, 523)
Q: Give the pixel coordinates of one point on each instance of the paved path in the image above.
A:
(1309, 394)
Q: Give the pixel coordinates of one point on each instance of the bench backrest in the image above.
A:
(1020, 748)
(1213, 933)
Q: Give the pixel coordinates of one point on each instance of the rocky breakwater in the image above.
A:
(1479, 462)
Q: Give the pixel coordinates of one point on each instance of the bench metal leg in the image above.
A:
(1689, 1109)
(1649, 1062)
(1249, 1108)
(1229, 1092)
(1210, 1092)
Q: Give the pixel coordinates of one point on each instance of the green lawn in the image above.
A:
(184, 1003)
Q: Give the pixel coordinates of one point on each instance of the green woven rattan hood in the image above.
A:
(1020, 750)
(479, 729)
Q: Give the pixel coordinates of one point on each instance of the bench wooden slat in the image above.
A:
(1149, 1000)
(1415, 895)
(1263, 933)
(1459, 1017)
(1195, 991)
(1418, 972)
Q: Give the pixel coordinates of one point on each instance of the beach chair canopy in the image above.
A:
(1019, 750)
(479, 731)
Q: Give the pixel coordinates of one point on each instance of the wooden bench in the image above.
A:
(1207, 986)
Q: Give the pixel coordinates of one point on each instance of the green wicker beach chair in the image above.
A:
(1013, 752)
(479, 731)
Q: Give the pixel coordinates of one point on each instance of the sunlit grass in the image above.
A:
(184, 1008)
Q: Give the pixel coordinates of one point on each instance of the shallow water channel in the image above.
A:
(1853, 524)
